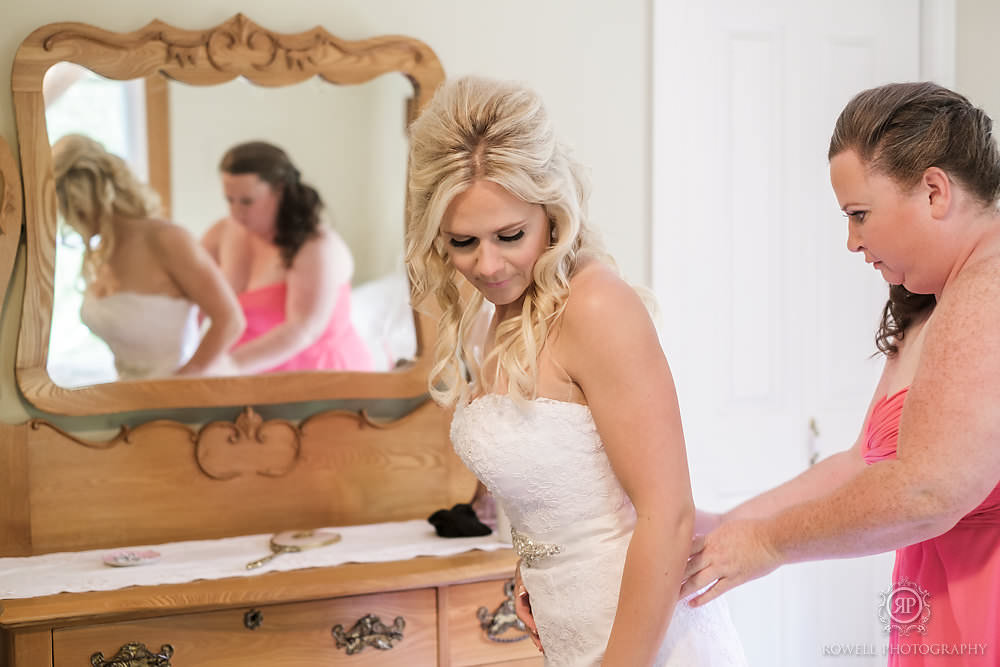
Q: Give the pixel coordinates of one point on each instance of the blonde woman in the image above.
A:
(145, 278)
(570, 418)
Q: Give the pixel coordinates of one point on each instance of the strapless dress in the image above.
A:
(950, 583)
(545, 464)
(150, 335)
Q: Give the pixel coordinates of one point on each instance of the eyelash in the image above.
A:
(465, 243)
(856, 216)
(515, 237)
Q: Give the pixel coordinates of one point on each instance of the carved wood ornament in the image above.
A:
(237, 47)
(217, 445)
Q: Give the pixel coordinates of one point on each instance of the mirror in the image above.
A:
(356, 161)
(170, 102)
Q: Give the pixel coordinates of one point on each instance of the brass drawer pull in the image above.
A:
(135, 654)
(252, 619)
(502, 619)
(368, 631)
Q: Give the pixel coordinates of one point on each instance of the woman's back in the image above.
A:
(137, 261)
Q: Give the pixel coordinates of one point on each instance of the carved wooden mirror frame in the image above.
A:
(237, 47)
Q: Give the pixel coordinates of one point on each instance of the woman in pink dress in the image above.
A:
(290, 271)
(916, 170)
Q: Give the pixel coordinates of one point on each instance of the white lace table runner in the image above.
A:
(180, 562)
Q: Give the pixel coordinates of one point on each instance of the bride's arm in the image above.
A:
(608, 345)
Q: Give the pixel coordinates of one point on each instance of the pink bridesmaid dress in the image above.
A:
(338, 348)
(959, 570)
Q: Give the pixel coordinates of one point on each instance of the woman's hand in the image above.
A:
(736, 552)
(522, 607)
(223, 366)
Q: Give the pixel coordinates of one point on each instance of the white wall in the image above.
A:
(589, 60)
(977, 53)
(349, 142)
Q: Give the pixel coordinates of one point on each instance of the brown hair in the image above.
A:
(298, 212)
(902, 129)
(901, 310)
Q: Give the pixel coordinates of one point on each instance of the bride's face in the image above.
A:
(494, 238)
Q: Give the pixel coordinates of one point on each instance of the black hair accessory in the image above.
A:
(459, 521)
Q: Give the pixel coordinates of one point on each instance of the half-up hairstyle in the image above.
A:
(902, 129)
(298, 212)
(93, 187)
(480, 129)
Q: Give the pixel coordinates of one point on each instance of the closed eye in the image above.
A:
(462, 243)
(513, 237)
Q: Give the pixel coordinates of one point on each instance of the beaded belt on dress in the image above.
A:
(531, 551)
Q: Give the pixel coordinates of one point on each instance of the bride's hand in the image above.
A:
(522, 607)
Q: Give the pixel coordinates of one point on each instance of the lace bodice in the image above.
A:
(543, 460)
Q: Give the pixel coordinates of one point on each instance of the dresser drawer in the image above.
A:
(468, 643)
(289, 635)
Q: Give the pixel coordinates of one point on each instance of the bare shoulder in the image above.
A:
(603, 317)
(979, 280)
(330, 240)
(971, 302)
(221, 234)
(325, 253)
(167, 237)
(599, 297)
(218, 228)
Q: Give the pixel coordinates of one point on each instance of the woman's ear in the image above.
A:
(939, 191)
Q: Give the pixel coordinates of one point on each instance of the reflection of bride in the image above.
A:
(145, 278)
(292, 273)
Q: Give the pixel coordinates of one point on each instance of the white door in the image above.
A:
(767, 320)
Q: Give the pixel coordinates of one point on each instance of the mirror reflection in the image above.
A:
(244, 279)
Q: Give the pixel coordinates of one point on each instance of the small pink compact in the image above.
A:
(128, 557)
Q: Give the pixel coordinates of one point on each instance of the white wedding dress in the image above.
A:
(150, 335)
(545, 465)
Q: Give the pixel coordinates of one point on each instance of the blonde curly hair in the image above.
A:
(93, 187)
(481, 129)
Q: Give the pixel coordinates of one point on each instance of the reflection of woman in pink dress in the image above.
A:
(916, 170)
(292, 273)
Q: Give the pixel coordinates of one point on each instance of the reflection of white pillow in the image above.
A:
(381, 314)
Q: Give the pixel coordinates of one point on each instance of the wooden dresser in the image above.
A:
(165, 482)
(283, 618)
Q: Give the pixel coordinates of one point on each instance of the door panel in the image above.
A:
(767, 320)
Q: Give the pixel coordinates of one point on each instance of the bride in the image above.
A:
(145, 279)
(569, 415)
